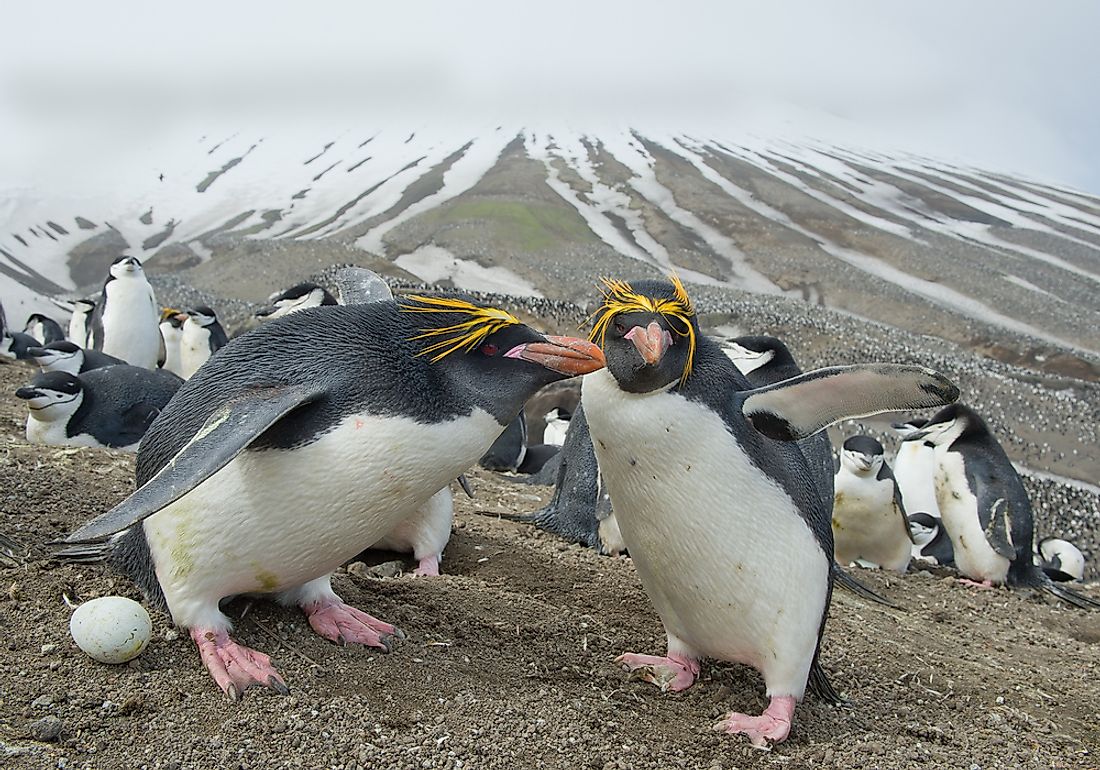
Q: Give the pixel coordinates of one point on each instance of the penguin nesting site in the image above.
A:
(378, 524)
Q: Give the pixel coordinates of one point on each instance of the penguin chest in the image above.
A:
(723, 552)
(974, 556)
(867, 524)
(271, 520)
(130, 329)
(914, 471)
(194, 350)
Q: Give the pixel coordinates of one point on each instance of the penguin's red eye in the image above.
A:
(489, 349)
(619, 327)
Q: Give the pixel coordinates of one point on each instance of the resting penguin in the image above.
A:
(1060, 559)
(305, 441)
(125, 320)
(300, 297)
(869, 520)
(111, 407)
(985, 507)
(80, 321)
(930, 540)
(16, 346)
(730, 539)
(202, 337)
(509, 449)
(171, 333)
(914, 469)
(43, 328)
(68, 357)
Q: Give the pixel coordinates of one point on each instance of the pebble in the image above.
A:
(47, 729)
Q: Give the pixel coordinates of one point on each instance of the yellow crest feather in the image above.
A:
(620, 297)
(464, 335)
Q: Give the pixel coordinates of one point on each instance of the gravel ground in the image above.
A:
(509, 661)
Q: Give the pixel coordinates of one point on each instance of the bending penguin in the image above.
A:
(111, 407)
(202, 337)
(869, 520)
(305, 441)
(985, 507)
(43, 328)
(731, 542)
(1061, 560)
(125, 321)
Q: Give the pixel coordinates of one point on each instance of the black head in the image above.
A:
(203, 315)
(297, 297)
(864, 445)
(50, 387)
(647, 331)
(950, 424)
(490, 354)
(63, 346)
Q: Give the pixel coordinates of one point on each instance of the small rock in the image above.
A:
(387, 569)
(46, 729)
(48, 648)
(171, 635)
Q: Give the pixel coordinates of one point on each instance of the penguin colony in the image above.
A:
(713, 475)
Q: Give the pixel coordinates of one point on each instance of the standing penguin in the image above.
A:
(985, 507)
(125, 321)
(305, 441)
(43, 328)
(730, 539)
(557, 425)
(299, 297)
(202, 337)
(111, 407)
(171, 334)
(65, 356)
(80, 321)
(508, 451)
(869, 520)
(915, 469)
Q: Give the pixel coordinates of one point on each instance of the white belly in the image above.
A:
(727, 560)
(130, 325)
(426, 531)
(867, 524)
(974, 557)
(78, 329)
(914, 471)
(272, 520)
(194, 350)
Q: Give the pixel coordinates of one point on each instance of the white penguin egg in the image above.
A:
(111, 629)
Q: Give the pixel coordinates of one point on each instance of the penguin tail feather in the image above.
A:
(1071, 597)
(821, 686)
(85, 553)
(846, 581)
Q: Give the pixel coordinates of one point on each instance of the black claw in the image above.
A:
(233, 693)
(399, 634)
(278, 685)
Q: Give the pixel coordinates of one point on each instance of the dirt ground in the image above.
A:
(509, 661)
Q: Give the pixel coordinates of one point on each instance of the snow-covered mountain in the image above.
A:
(929, 246)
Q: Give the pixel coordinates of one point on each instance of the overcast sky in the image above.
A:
(1008, 84)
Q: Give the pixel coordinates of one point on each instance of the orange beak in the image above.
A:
(651, 342)
(565, 355)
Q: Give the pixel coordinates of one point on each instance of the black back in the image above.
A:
(121, 402)
(51, 330)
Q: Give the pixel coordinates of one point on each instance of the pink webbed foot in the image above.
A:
(773, 725)
(985, 584)
(235, 667)
(343, 624)
(428, 567)
(674, 672)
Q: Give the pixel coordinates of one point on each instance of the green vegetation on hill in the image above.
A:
(525, 225)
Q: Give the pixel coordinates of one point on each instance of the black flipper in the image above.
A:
(801, 406)
(999, 529)
(846, 581)
(224, 435)
(821, 686)
(465, 484)
(1071, 597)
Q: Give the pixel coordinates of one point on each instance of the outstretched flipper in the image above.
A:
(1071, 597)
(802, 406)
(224, 435)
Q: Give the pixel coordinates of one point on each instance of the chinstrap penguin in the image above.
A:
(125, 320)
(378, 406)
(1060, 559)
(43, 328)
(730, 539)
(16, 346)
(202, 337)
(984, 505)
(65, 356)
(869, 520)
(930, 540)
(915, 469)
(80, 321)
(299, 297)
(111, 407)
